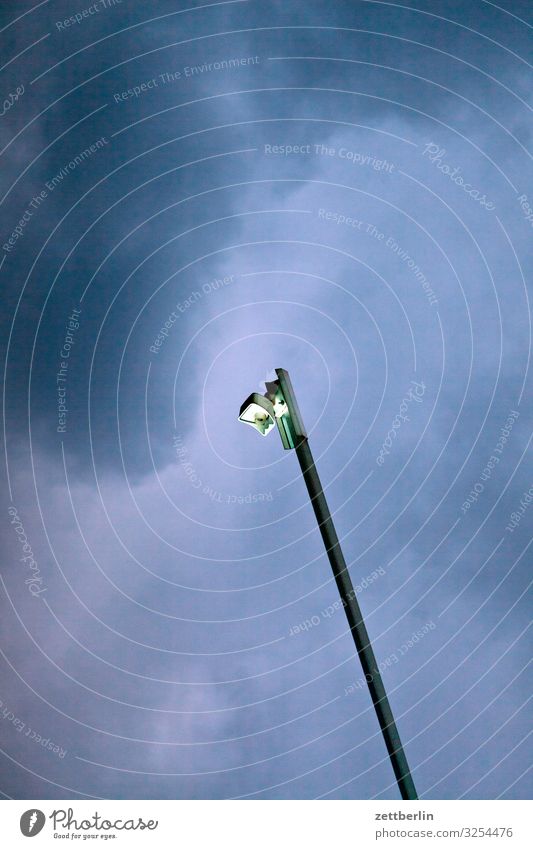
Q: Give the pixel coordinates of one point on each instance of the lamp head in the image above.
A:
(277, 406)
(258, 411)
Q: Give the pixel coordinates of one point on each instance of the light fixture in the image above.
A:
(278, 405)
(259, 412)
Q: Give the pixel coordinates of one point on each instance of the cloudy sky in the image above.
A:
(193, 194)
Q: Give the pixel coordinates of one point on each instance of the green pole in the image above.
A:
(294, 425)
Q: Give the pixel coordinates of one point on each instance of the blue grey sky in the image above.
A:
(193, 194)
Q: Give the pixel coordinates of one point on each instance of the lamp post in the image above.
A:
(278, 406)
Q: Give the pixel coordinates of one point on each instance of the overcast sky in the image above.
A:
(193, 194)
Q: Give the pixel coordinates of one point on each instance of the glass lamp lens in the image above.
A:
(258, 417)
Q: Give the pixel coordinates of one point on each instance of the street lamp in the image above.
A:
(278, 406)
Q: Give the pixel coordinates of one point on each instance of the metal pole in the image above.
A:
(355, 620)
(281, 406)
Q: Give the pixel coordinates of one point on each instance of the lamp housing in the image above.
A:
(258, 412)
